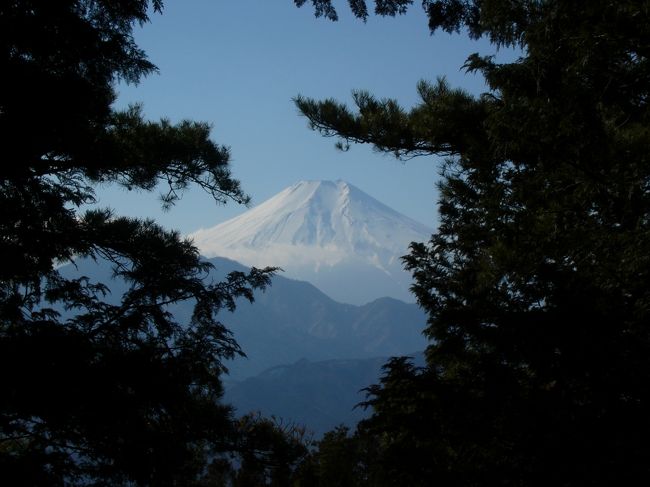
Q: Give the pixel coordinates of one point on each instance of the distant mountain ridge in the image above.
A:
(294, 320)
(328, 233)
(320, 395)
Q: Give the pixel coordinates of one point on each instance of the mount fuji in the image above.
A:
(330, 234)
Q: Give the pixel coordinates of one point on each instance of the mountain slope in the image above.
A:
(331, 234)
(319, 395)
(294, 320)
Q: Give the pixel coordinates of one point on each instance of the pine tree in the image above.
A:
(536, 281)
(111, 393)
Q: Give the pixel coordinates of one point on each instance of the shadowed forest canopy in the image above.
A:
(113, 393)
(536, 282)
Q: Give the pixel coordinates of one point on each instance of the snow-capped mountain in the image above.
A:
(331, 234)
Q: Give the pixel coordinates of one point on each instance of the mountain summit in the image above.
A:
(331, 234)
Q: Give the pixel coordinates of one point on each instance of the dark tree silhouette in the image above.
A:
(536, 282)
(114, 393)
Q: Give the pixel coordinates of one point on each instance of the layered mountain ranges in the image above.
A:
(320, 395)
(308, 355)
(293, 320)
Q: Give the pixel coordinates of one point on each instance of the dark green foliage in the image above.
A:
(269, 451)
(324, 8)
(536, 282)
(341, 459)
(121, 391)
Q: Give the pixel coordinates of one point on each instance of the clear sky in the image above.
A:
(237, 64)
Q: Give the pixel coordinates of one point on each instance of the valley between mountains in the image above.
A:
(308, 355)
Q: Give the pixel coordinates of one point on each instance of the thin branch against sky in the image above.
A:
(237, 65)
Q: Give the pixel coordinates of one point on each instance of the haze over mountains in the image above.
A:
(307, 356)
(309, 351)
(293, 320)
(330, 234)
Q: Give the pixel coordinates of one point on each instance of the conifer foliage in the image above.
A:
(536, 282)
(94, 391)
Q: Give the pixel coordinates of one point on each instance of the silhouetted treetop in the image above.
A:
(536, 280)
(101, 389)
(505, 23)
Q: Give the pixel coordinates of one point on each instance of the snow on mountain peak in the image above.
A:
(314, 226)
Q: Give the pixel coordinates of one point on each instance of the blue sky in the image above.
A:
(237, 64)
